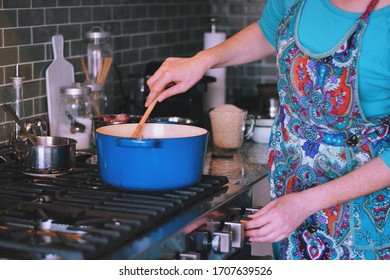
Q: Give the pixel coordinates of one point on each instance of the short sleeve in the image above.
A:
(273, 14)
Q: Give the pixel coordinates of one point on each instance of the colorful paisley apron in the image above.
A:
(321, 134)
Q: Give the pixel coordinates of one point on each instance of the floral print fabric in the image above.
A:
(321, 134)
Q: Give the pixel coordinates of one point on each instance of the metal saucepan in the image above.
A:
(167, 156)
(51, 156)
(11, 112)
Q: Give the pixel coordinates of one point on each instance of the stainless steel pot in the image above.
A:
(51, 156)
(174, 120)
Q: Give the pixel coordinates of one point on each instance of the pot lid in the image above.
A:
(97, 33)
(75, 90)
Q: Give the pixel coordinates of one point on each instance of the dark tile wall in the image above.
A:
(233, 16)
(141, 31)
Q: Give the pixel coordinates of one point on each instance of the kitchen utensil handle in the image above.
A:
(70, 117)
(58, 46)
(141, 123)
(136, 143)
(137, 131)
(11, 112)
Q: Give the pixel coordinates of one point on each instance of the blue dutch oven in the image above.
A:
(168, 156)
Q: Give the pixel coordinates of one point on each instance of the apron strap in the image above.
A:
(369, 9)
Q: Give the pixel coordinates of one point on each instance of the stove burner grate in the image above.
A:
(77, 216)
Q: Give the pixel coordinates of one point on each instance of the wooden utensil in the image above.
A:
(11, 112)
(105, 65)
(85, 69)
(104, 68)
(137, 130)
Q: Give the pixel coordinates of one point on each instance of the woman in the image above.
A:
(329, 152)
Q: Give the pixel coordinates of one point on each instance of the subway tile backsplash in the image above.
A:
(141, 31)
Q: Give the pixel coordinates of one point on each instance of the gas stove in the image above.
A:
(78, 216)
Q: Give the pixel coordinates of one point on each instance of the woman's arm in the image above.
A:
(246, 46)
(282, 216)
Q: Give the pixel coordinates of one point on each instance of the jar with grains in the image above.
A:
(227, 126)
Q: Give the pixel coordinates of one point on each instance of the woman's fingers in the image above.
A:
(276, 220)
(175, 75)
(157, 84)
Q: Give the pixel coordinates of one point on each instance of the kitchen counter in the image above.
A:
(244, 166)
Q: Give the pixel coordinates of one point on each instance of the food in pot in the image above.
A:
(112, 119)
(122, 118)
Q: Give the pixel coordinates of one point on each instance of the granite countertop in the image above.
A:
(242, 167)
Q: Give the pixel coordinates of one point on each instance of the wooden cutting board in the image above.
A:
(59, 73)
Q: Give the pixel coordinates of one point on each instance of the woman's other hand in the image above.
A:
(277, 220)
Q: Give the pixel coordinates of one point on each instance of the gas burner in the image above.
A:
(78, 216)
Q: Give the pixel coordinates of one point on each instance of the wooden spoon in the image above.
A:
(137, 131)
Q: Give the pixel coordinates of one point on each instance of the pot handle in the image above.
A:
(136, 143)
(251, 129)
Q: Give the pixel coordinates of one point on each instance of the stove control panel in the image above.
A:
(217, 237)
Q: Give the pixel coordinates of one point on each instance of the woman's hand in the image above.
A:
(175, 75)
(281, 217)
(277, 220)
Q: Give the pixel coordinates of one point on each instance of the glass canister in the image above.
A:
(75, 115)
(228, 126)
(99, 100)
(99, 49)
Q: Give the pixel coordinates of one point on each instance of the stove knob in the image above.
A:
(222, 240)
(238, 233)
(250, 211)
(199, 241)
(189, 256)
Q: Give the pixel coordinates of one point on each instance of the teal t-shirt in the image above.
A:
(322, 25)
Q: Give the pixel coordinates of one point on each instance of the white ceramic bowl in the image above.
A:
(262, 130)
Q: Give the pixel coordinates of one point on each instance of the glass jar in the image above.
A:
(75, 115)
(98, 99)
(99, 48)
(228, 126)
